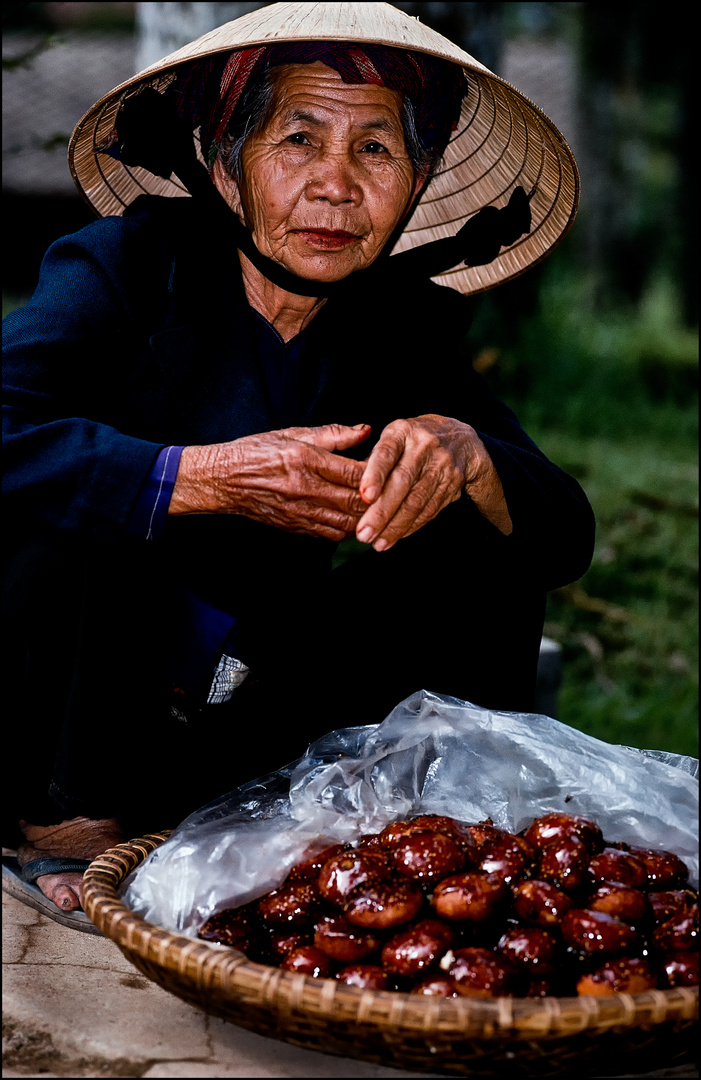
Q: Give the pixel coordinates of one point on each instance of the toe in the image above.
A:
(65, 899)
(64, 890)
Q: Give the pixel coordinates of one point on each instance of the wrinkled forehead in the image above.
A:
(316, 89)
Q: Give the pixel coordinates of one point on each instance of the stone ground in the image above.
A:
(74, 1006)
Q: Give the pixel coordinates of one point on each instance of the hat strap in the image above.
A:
(478, 241)
(174, 152)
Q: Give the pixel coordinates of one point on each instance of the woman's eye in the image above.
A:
(374, 148)
(298, 138)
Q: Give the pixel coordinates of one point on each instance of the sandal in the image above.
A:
(18, 881)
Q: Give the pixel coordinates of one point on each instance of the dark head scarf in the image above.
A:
(208, 91)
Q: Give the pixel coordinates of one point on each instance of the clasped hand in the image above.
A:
(417, 468)
(298, 480)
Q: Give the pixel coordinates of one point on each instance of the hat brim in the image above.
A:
(503, 139)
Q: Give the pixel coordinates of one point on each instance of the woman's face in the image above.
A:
(329, 178)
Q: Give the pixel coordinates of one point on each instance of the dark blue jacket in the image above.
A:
(139, 336)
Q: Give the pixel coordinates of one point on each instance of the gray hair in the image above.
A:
(255, 108)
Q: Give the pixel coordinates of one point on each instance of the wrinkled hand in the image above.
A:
(418, 467)
(289, 479)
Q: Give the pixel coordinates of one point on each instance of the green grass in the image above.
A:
(612, 397)
(629, 628)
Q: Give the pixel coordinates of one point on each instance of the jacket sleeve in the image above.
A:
(553, 522)
(65, 355)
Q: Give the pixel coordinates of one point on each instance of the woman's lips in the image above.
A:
(328, 239)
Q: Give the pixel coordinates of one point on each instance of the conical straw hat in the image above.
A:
(502, 140)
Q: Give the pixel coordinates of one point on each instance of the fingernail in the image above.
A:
(369, 494)
(364, 534)
(381, 545)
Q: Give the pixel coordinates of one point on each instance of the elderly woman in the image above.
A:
(206, 395)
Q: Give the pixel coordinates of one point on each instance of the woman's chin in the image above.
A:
(325, 266)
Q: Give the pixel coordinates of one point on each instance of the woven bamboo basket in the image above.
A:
(620, 1034)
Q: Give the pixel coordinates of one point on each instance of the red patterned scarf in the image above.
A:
(208, 91)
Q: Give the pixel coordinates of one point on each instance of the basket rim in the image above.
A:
(233, 973)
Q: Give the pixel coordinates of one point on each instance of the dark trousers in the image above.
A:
(87, 693)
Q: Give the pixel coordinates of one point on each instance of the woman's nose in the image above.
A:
(335, 180)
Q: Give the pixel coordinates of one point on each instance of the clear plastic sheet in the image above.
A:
(433, 754)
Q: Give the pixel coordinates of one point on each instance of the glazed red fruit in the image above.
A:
(592, 932)
(346, 871)
(680, 969)
(309, 868)
(627, 975)
(621, 901)
(680, 931)
(437, 823)
(507, 856)
(365, 976)
(532, 948)
(482, 831)
(564, 864)
(435, 986)
(308, 960)
(669, 902)
(482, 973)
(612, 864)
(458, 830)
(471, 897)
(235, 927)
(339, 939)
(399, 830)
(282, 943)
(556, 826)
(541, 903)
(415, 950)
(664, 869)
(295, 904)
(426, 856)
(384, 905)
(369, 842)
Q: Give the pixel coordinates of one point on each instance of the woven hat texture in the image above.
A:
(502, 141)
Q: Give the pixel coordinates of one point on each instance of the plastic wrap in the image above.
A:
(433, 754)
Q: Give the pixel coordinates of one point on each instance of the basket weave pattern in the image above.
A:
(514, 1036)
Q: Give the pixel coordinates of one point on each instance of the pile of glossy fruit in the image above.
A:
(438, 906)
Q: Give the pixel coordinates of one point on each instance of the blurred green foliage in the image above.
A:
(638, 103)
(587, 368)
(597, 352)
(612, 397)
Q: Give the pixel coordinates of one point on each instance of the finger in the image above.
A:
(383, 459)
(330, 436)
(407, 521)
(305, 468)
(310, 512)
(341, 472)
(314, 519)
(322, 477)
(344, 499)
(404, 493)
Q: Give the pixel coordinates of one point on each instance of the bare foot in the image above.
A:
(79, 838)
